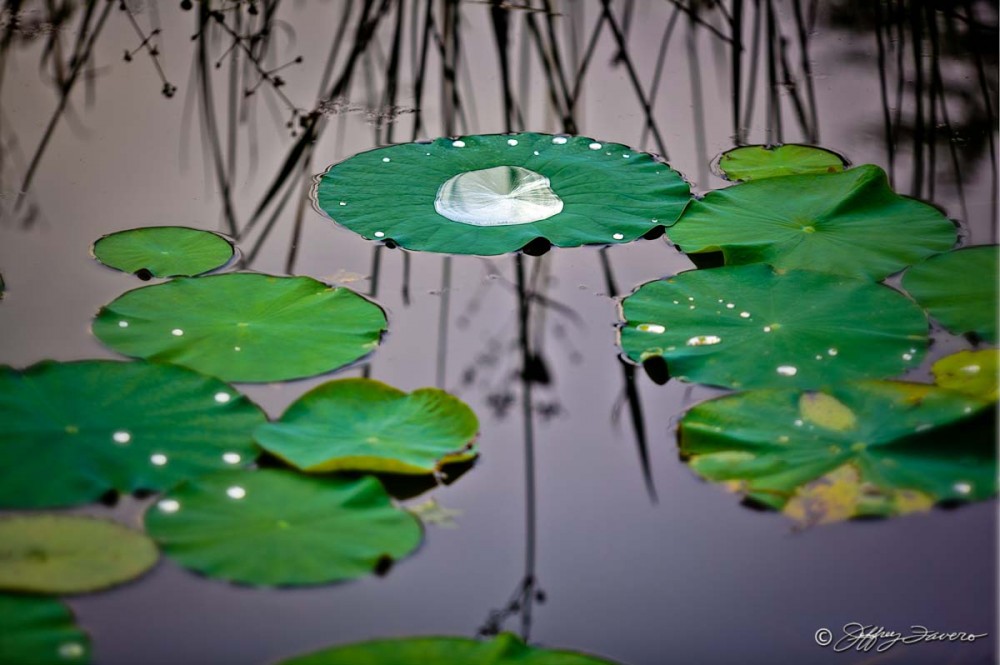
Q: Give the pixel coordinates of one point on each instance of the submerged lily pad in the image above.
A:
(959, 290)
(970, 372)
(163, 251)
(69, 554)
(874, 448)
(756, 162)
(496, 193)
(70, 432)
(40, 631)
(365, 425)
(849, 223)
(275, 527)
(504, 649)
(244, 326)
(753, 326)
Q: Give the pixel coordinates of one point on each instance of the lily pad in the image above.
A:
(69, 554)
(70, 432)
(959, 290)
(365, 425)
(973, 373)
(244, 326)
(753, 326)
(274, 527)
(849, 223)
(505, 649)
(40, 631)
(494, 194)
(757, 162)
(163, 251)
(873, 448)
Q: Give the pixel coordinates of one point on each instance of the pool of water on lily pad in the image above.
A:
(690, 577)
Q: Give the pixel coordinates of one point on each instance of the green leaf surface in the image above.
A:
(280, 528)
(757, 162)
(40, 631)
(69, 432)
(754, 327)
(959, 290)
(973, 373)
(903, 447)
(163, 251)
(505, 649)
(365, 425)
(244, 326)
(570, 190)
(63, 554)
(849, 223)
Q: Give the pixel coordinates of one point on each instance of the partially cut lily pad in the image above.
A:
(70, 432)
(959, 290)
(504, 649)
(365, 425)
(753, 327)
(496, 193)
(757, 162)
(973, 373)
(849, 223)
(163, 251)
(63, 554)
(280, 528)
(873, 448)
(244, 326)
(40, 631)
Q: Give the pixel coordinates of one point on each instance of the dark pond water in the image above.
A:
(691, 577)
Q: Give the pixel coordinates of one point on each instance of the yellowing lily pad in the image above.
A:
(971, 372)
(40, 631)
(163, 251)
(756, 162)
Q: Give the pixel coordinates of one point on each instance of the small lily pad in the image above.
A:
(973, 373)
(274, 527)
(63, 554)
(849, 223)
(753, 326)
(163, 251)
(244, 326)
(365, 425)
(40, 631)
(496, 193)
(873, 448)
(504, 649)
(959, 290)
(70, 432)
(757, 162)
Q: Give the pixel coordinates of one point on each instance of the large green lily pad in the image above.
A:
(496, 193)
(505, 649)
(752, 326)
(959, 290)
(163, 251)
(70, 554)
(70, 432)
(365, 425)
(244, 326)
(849, 223)
(40, 631)
(875, 448)
(971, 372)
(756, 162)
(274, 527)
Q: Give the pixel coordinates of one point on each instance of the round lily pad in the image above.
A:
(873, 448)
(959, 290)
(40, 631)
(505, 649)
(970, 372)
(244, 326)
(274, 527)
(63, 554)
(163, 251)
(753, 326)
(496, 193)
(365, 425)
(70, 432)
(756, 162)
(850, 223)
